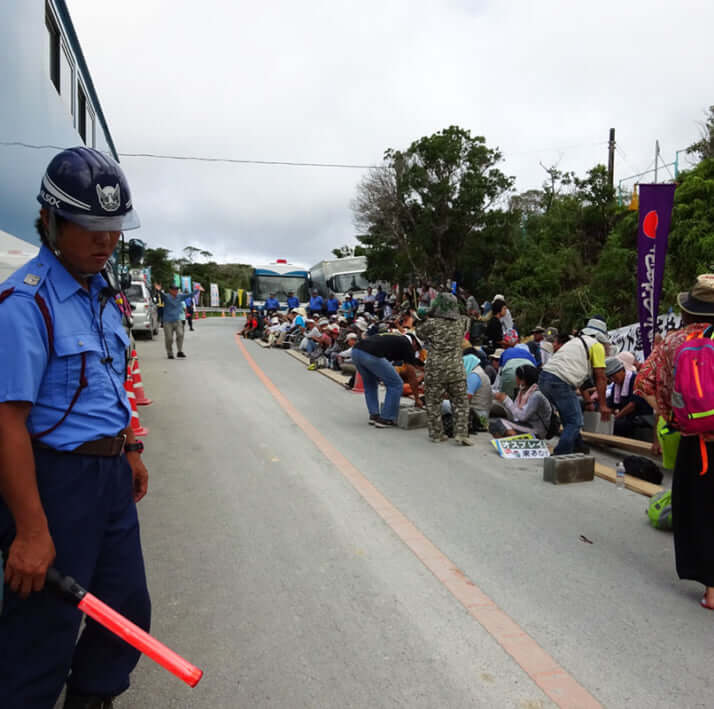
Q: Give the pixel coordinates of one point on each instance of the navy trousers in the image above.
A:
(92, 518)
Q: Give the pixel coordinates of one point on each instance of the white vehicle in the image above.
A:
(144, 313)
(341, 276)
(279, 278)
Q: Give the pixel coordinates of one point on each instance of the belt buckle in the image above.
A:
(123, 443)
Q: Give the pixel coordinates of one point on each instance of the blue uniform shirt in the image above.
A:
(332, 305)
(316, 302)
(272, 304)
(293, 302)
(29, 371)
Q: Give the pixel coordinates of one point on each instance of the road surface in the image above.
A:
(270, 568)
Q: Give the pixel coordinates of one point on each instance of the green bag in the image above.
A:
(660, 510)
(669, 440)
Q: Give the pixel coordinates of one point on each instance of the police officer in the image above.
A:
(70, 468)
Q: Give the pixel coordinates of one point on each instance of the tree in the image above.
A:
(691, 238)
(162, 268)
(704, 147)
(421, 208)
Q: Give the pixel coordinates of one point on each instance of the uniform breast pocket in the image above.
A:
(67, 361)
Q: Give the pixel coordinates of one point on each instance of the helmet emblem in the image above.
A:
(109, 197)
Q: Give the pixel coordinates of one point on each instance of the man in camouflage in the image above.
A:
(444, 373)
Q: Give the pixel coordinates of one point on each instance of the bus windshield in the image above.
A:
(280, 286)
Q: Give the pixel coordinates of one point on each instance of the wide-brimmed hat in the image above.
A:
(538, 330)
(497, 354)
(700, 298)
(597, 328)
(613, 365)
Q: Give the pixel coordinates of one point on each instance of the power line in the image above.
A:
(200, 158)
(288, 163)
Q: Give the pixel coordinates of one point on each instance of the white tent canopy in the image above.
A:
(14, 253)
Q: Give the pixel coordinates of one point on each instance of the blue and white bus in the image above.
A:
(279, 278)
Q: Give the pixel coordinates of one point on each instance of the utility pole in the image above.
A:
(611, 159)
(656, 159)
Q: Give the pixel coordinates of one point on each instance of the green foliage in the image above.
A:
(704, 147)
(162, 268)
(345, 251)
(227, 275)
(418, 211)
(691, 240)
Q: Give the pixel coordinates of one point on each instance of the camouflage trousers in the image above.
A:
(452, 387)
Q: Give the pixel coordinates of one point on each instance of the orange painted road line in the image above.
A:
(562, 688)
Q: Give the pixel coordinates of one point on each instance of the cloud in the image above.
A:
(343, 81)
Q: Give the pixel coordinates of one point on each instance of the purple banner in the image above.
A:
(655, 215)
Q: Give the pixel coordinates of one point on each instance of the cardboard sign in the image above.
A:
(524, 446)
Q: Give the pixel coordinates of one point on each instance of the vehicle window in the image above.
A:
(134, 292)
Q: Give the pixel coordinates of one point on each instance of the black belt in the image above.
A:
(104, 447)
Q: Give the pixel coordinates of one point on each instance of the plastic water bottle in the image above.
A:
(620, 476)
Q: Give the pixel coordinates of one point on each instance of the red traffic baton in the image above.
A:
(122, 627)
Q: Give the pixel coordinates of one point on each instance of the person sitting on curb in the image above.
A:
(629, 408)
(529, 413)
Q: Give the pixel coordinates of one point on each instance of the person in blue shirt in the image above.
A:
(349, 307)
(317, 305)
(272, 304)
(71, 471)
(332, 304)
(174, 320)
(293, 302)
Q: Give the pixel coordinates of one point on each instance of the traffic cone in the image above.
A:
(141, 398)
(358, 388)
(204, 315)
(223, 313)
(233, 314)
(136, 426)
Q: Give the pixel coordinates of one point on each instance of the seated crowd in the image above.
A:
(513, 384)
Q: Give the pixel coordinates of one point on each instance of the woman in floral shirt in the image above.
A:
(692, 492)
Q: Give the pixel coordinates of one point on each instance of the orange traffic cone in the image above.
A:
(358, 388)
(233, 314)
(204, 315)
(223, 313)
(136, 426)
(141, 398)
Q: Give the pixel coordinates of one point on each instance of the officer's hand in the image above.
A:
(139, 474)
(605, 413)
(31, 554)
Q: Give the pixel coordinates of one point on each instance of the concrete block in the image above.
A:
(411, 418)
(592, 423)
(575, 468)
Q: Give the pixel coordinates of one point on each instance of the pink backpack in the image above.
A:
(693, 395)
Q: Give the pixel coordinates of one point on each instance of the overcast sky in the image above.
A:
(342, 81)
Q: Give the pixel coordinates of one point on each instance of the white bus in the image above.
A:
(279, 278)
